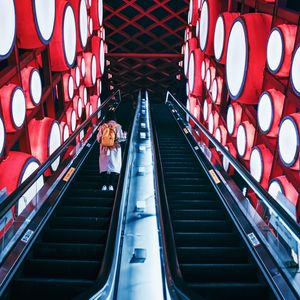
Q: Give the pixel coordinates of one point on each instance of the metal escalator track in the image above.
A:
(67, 257)
(214, 263)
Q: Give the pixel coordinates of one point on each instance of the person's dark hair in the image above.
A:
(110, 116)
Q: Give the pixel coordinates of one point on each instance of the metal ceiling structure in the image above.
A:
(144, 40)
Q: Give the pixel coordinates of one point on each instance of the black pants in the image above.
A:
(108, 178)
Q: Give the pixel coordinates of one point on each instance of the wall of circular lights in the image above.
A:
(52, 61)
(250, 98)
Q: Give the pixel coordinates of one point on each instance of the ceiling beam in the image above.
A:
(145, 55)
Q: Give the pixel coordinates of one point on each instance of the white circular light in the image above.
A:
(295, 74)
(275, 189)
(54, 143)
(275, 50)
(73, 120)
(91, 110)
(226, 162)
(66, 133)
(2, 136)
(35, 87)
(205, 110)
(197, 28)
(214, 91)
(218, 135)
(69, 35)
(100, 11)
(77, 75)
(190, 13)
(29, 169)
(236, 59)
(211, 124)
(288, 141)
(83, 21)
(208, 79)
(219, 38)
(256, 164)
(79, 107)
(99, 104)
(230, 120)
(91, 26)
(186, 57)
(99, 86)
(265, 113)
(85, 97)
(45, 18)
(203, 70)
(102, 56)
(71, 87)
(8, 27)
(241, 140)
(18, 107)
(83, 68)
(191, 72)
(204, 23)
(94, 70)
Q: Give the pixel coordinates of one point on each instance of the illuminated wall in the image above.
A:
(242, 65)
(52, 60)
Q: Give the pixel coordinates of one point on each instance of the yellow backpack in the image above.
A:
(108, 138)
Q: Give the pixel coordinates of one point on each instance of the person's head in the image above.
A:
(110, 116)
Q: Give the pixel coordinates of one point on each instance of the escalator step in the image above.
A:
(206, 239)
(67, 269)
(188, 188)
(80, 222)
(202, 226)
(212, 255)
(69, 251)
(90, 193)
(39, 288)
(193, 204)
(83, 211)
(230, 291)
(191, 195)
(74, 236)
(197, 214)
(219, 272)
(88, 201)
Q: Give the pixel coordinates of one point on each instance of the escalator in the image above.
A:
(67, 256)
(72, 254)
(211, 259)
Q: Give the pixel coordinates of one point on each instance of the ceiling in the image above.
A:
(144, 40)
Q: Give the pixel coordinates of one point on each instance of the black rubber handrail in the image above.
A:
(13, 198)
(260, 192)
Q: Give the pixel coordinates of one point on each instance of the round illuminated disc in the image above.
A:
(18, 107)
(236, 59)
(288, 141)
(35, 87)
(275, 49)
(7, 27)
(241, 140)
(44, 12)
(219, 38)
(256, 164)
(69, 35)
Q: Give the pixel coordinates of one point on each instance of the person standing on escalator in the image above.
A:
(110, 135)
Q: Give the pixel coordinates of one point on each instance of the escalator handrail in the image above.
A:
(14, 197)
(260, 192)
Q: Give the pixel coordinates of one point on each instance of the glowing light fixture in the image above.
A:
(35, 22)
